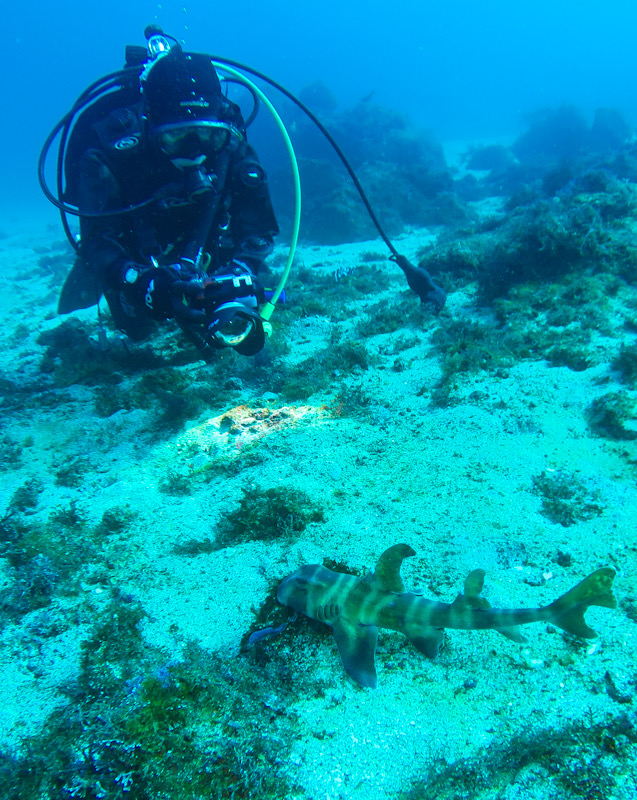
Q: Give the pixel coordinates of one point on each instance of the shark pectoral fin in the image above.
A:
(513, 633)
(426, 640)
(357, 647)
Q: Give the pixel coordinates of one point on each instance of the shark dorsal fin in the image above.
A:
(386, 576)
(473, 599)
(472, 587)
(473, 583)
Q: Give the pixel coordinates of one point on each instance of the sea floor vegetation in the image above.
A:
(152, 500)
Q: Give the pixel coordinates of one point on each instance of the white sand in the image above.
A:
(454, 483)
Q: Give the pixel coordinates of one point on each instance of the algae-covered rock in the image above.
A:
(613, 416)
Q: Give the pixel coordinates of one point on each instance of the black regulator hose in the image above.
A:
(418, 279)
(111, 82)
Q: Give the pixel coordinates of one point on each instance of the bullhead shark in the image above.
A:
(356, 607)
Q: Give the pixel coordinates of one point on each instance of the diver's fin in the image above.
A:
(79, 289)
(595, 590)
(386, 576)
(357, 647)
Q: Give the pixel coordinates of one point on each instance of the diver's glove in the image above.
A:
(421, 283)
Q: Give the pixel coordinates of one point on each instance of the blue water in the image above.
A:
(499, 434)
(465, 70)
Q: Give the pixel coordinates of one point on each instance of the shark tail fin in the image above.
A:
(595, 590)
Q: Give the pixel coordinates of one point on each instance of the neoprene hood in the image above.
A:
(181, 88)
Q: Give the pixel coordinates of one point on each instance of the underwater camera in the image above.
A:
(231, 306)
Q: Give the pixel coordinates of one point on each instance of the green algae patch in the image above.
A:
(146, 728)
(277, 512)
(567, 498)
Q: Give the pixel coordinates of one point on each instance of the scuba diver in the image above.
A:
(175, 214)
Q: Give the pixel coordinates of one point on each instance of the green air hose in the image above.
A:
(268, 308)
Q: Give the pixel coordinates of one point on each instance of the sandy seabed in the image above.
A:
(456, 483)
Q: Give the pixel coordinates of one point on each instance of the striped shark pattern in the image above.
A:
(356, 607)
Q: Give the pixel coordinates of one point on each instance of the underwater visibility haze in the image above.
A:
(463, 70)
(206, 524)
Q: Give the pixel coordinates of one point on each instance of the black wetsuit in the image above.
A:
(111, 165)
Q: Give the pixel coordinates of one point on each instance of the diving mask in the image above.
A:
(199, 137)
